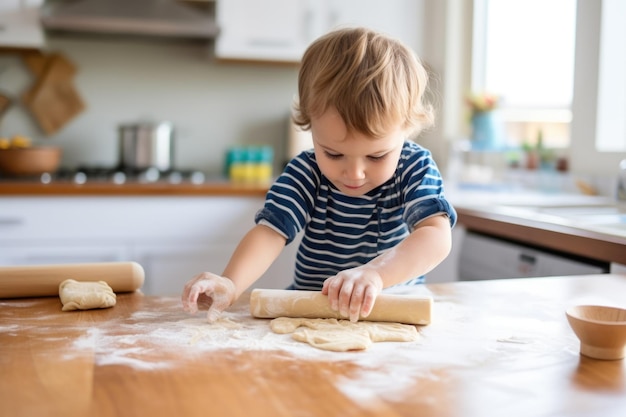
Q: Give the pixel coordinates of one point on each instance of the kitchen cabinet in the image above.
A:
(19, 24)
(168, 267)
(486, 257)
(274, 30)
(33, 253)
(399, 18)
(173, 238)
(281, 30)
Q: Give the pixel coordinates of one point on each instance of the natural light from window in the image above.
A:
(524, 53)
(611, 116)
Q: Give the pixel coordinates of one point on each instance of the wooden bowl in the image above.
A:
(30, 161)
(601, 330)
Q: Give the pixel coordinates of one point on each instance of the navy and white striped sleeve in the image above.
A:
(423, 188)
(290, 199)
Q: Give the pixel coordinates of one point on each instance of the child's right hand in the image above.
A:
(208, 291)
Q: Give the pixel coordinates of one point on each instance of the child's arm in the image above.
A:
(252, 257)
(352, 292)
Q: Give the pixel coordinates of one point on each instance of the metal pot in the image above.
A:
(146, 145)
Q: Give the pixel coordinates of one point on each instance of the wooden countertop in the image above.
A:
(68, 188)
(532, 230)
(494, 348)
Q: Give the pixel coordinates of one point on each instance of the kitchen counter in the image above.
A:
(544, 220)
(499, 347)
(533, 230)
(68, 188)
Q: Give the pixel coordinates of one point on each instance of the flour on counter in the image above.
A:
(160, 335)
(137, 341)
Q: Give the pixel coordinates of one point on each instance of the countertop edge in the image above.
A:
(576, 241)
(217, 188)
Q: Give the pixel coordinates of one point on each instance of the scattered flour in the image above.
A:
(160, 335)
(9, 328)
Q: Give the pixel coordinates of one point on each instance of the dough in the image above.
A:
(77, 295)
(342, 335)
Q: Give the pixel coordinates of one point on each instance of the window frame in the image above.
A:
(584, 156)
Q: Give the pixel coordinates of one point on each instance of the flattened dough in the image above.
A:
(342, 335)
(77, 295)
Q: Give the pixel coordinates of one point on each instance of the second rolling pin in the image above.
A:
(409, 309)
(44, 280)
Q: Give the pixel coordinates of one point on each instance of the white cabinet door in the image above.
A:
(169, 267)
(19, 23)
(281, 30)
(276, 30)
(401, 19)
(56, 253)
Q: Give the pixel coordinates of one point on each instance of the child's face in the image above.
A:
(354, 163)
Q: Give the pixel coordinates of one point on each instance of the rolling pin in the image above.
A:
(409, 309)
(44, 280)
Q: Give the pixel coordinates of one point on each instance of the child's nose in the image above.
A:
(355, 169)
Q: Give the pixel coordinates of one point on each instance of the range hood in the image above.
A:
(168, 18)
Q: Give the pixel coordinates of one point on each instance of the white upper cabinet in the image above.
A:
(276, 30)
(398, 18)
(281, 30)
(19, 24)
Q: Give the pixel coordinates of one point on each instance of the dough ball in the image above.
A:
(86, 295)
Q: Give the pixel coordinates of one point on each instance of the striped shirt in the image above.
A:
(342, 232)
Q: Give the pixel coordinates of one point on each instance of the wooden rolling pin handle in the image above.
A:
(409, 309)
(44, 280)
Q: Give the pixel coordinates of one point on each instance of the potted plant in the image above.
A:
(486, 134)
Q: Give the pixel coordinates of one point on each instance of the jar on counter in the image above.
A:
(251, 164)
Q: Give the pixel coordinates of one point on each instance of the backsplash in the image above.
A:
(212, 105)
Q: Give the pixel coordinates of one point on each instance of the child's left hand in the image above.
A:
(352, 292)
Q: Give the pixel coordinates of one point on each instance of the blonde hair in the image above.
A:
(375, 82)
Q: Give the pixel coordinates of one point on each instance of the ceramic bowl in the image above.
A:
(30, 161)
(601, 330)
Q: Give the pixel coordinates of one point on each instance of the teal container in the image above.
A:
(486, 131)
(235, 161)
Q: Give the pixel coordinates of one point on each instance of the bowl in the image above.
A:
(600, 329)
(33, 160)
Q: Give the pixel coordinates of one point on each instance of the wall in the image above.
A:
(212, 105)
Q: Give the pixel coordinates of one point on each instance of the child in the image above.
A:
(371, 203)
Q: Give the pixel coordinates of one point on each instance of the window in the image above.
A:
(611, 112)
(523, 51)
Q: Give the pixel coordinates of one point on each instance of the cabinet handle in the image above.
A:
(527, 259)
(11, 221)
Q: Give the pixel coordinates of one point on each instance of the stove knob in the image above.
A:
(45, 178)
(175, 177)
(119, 177)
(80, 177)
(150, 175)
(197, 177)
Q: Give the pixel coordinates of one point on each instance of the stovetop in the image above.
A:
(113, 175)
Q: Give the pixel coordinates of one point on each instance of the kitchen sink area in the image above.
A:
(600, 215)
(609, 217)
